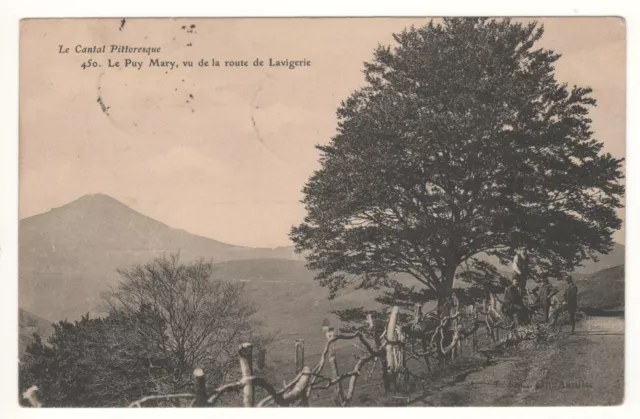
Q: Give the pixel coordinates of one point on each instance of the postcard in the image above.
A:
(259, 212)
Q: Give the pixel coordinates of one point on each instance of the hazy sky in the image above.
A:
(229, 161)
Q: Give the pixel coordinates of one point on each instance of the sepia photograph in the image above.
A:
(322, 212)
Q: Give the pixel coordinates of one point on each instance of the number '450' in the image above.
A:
(89, 64)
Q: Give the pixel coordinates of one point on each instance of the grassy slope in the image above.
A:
(603, 290)
(291, 305)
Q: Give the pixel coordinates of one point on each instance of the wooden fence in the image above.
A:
(388, 344)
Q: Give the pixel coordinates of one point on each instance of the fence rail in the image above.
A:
(389, 345)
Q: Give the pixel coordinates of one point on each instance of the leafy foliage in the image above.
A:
(97, 362)
(461, 143)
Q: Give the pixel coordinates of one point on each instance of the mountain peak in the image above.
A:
(76, 249)
(97, 206)
(96, 199)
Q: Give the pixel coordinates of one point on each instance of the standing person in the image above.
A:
(520, 268)
(546, 293)
(513, 306)
(571, 302)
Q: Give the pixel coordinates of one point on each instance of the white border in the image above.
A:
(12, 11)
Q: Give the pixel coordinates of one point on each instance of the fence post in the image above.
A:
(299, 358)
(402, 356)
(334, 368)
(200, 388)
(301, 354)
(245, 351)
(457, 349)
(391, 328)
(376, 327)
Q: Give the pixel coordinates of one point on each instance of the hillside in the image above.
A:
(289, 301)
(75, 249)
(610, 260)
(70, 254)
(603, 290)
(291, 305)
(28, 325)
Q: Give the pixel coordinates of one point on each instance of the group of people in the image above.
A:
(514, 305)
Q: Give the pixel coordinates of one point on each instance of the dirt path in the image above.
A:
(583, 369)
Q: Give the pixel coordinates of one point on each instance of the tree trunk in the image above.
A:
(246, 367)
(200, 388)
(446, 286)
(392, 365)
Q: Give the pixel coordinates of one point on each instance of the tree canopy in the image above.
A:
(461, 143)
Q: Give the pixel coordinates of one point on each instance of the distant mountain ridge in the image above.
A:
(75, 250)
(77, 247)
(603, 290)
(615, 257)
(100, 220)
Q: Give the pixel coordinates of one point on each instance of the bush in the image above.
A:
(96, 362)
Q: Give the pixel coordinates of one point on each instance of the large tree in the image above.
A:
(461, 143)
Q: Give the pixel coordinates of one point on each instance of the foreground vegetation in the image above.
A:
(112, 362)
(164, 319)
